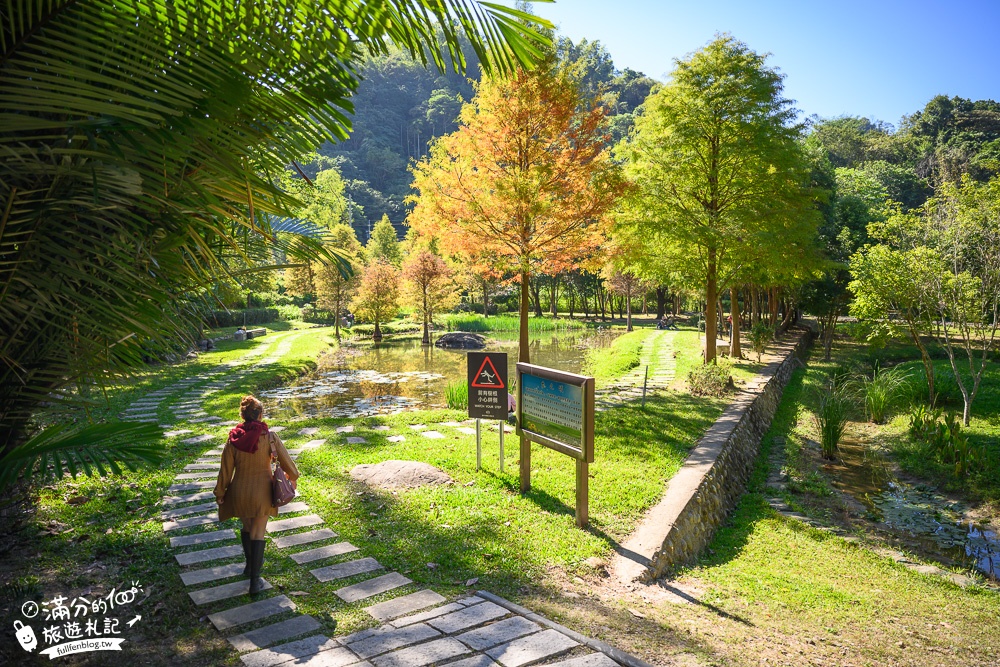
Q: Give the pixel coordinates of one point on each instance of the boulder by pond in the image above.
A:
(461, 340)
(399, 474)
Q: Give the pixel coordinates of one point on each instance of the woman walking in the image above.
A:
(244, 486)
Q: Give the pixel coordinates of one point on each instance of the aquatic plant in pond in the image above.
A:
(457, 395)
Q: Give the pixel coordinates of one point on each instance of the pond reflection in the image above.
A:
(405, 375)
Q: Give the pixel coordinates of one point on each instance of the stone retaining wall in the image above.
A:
(713, 476)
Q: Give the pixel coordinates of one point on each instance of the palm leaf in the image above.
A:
(136, 140)
(95, 448)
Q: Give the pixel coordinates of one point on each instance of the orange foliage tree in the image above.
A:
(526, 179)
(430, 283)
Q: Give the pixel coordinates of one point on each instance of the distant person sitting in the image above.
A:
(669, 323)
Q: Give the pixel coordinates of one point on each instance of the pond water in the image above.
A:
(925, 521)
(405, 375)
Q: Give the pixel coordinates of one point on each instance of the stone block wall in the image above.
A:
(713, 476)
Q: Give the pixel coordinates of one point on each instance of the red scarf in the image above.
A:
(245, 436)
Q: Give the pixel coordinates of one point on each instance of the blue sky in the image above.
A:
(880, 59)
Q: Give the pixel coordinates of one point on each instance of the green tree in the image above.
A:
(335, 282)
(384, 244)
(963, 226)
(888, 281)
(138, 139)
(718, 172)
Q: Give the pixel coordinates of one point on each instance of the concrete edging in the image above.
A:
(713, 476)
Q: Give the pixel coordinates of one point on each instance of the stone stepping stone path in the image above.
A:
(356, 441)
(196, 439)
(224, 591)
(249, 613)
(275, 632)
(418, 427)
(371, 587)
(345, 429)
(346, 569)
(466, 430)
(320, 553)
(433, 435)
(312, 430)
(396, 438)
(304, 538)
(174, 434)
(292, 524)
(381, 427)
(407, 604)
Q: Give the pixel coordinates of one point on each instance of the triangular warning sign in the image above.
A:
(487, 376)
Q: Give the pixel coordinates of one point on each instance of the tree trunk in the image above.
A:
(925, 359)
(536, 293)
(486, 300)
(572, 302)
(661, 303)
(628, 308)
(426, 340)
(677, 304)
(522, 338)
(754, 310)
(711, 296)
(377, 335)
(734, 340)
(554, 296)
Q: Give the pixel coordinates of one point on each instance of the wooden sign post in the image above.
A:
(556, 410)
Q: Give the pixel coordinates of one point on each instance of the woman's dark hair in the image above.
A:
(251, 409)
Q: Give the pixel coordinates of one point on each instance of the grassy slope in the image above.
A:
(786, 589)
(614, 361)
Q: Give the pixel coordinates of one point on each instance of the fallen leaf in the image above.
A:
(472, 582)
(77, 500)
(298, 593)
(432, 566)
(636, 613)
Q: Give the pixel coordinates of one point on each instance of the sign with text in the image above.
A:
(487, 373)
(556, 409)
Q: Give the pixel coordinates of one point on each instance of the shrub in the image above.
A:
(760, 335)
(457, 395)
(836, 402)
(388, 328)
(945, 440)
(712, 379)
(882, 391)
(219, 319)
(945, 387)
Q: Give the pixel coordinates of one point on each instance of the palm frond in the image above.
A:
(95, 448)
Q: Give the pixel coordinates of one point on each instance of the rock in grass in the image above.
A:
(399, 474)
(461, 340)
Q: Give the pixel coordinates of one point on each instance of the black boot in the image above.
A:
(256, 563)
(245, 539)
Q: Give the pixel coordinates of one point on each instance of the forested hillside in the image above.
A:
(401, 106)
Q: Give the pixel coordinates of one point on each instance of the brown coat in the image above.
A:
(244, 483)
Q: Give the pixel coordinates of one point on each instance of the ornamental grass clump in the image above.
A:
(882, 391)
(836, 403)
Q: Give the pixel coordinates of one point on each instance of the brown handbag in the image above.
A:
(282, 491)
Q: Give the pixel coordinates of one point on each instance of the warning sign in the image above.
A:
(487, 377)
(487, 373)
